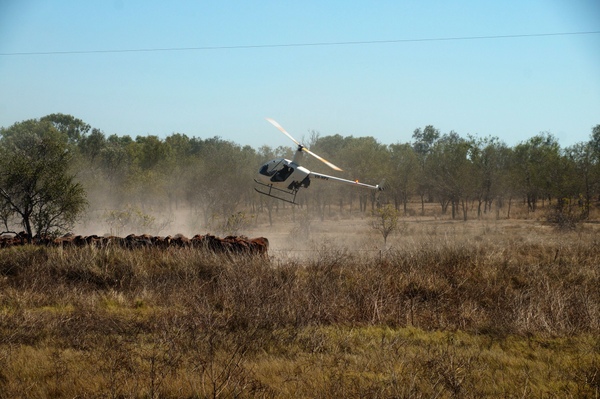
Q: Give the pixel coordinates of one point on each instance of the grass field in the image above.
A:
(449, 309)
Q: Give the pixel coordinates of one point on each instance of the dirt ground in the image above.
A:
(297, 233)
(299, 239)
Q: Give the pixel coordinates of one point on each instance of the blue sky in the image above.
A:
(512, 88)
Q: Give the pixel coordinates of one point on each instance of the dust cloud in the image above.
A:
(294, 232)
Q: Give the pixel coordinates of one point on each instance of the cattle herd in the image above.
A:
(231, 244)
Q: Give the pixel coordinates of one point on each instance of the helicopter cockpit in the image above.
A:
(276, 170)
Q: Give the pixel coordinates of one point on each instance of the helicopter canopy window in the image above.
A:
(283, 173)
(265, 170)
(270, 168)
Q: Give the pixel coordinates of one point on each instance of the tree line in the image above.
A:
(55, 168)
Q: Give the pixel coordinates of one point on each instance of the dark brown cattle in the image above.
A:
(137, 241)
(65, 241)
(22, 238)
(214, 243)
(161, 242)
(238, 245)
(115, 241)
(259, 245)
(230, 244)
(146, 237)
(94, 241)
(197, 241)
(181, 241)
(7, 241)
(42, 239)
(79, 241)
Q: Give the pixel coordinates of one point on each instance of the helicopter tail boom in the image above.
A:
(320, 176)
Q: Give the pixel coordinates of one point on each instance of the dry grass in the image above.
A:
(476, 309)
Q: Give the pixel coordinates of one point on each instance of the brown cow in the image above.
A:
(260, 245)
(137, 241)
(64, 241)
(7, 241)
(161, 242)
(181, 241)
(94, 241)
(22, 238)
(198, 241)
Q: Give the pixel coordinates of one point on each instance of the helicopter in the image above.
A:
(282, 178)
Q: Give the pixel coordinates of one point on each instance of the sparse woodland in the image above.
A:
(129, 181)
(487, 285)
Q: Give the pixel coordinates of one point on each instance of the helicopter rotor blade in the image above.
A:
(282, 130)
(320, 158)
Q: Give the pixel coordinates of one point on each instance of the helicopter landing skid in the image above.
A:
(278, 193)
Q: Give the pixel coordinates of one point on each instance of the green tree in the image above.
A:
(115, 163)
(219, 177)
(423, 141)
(91, 146)
(404, 169)
(385, 220)
(74, 129)
(487, 156)
(538, 169)
(331, 148)
(451, 172)
(595, 141)
(582, 177)
(36, 188)
(364, 159)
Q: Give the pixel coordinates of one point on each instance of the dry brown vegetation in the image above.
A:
(451, 309)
